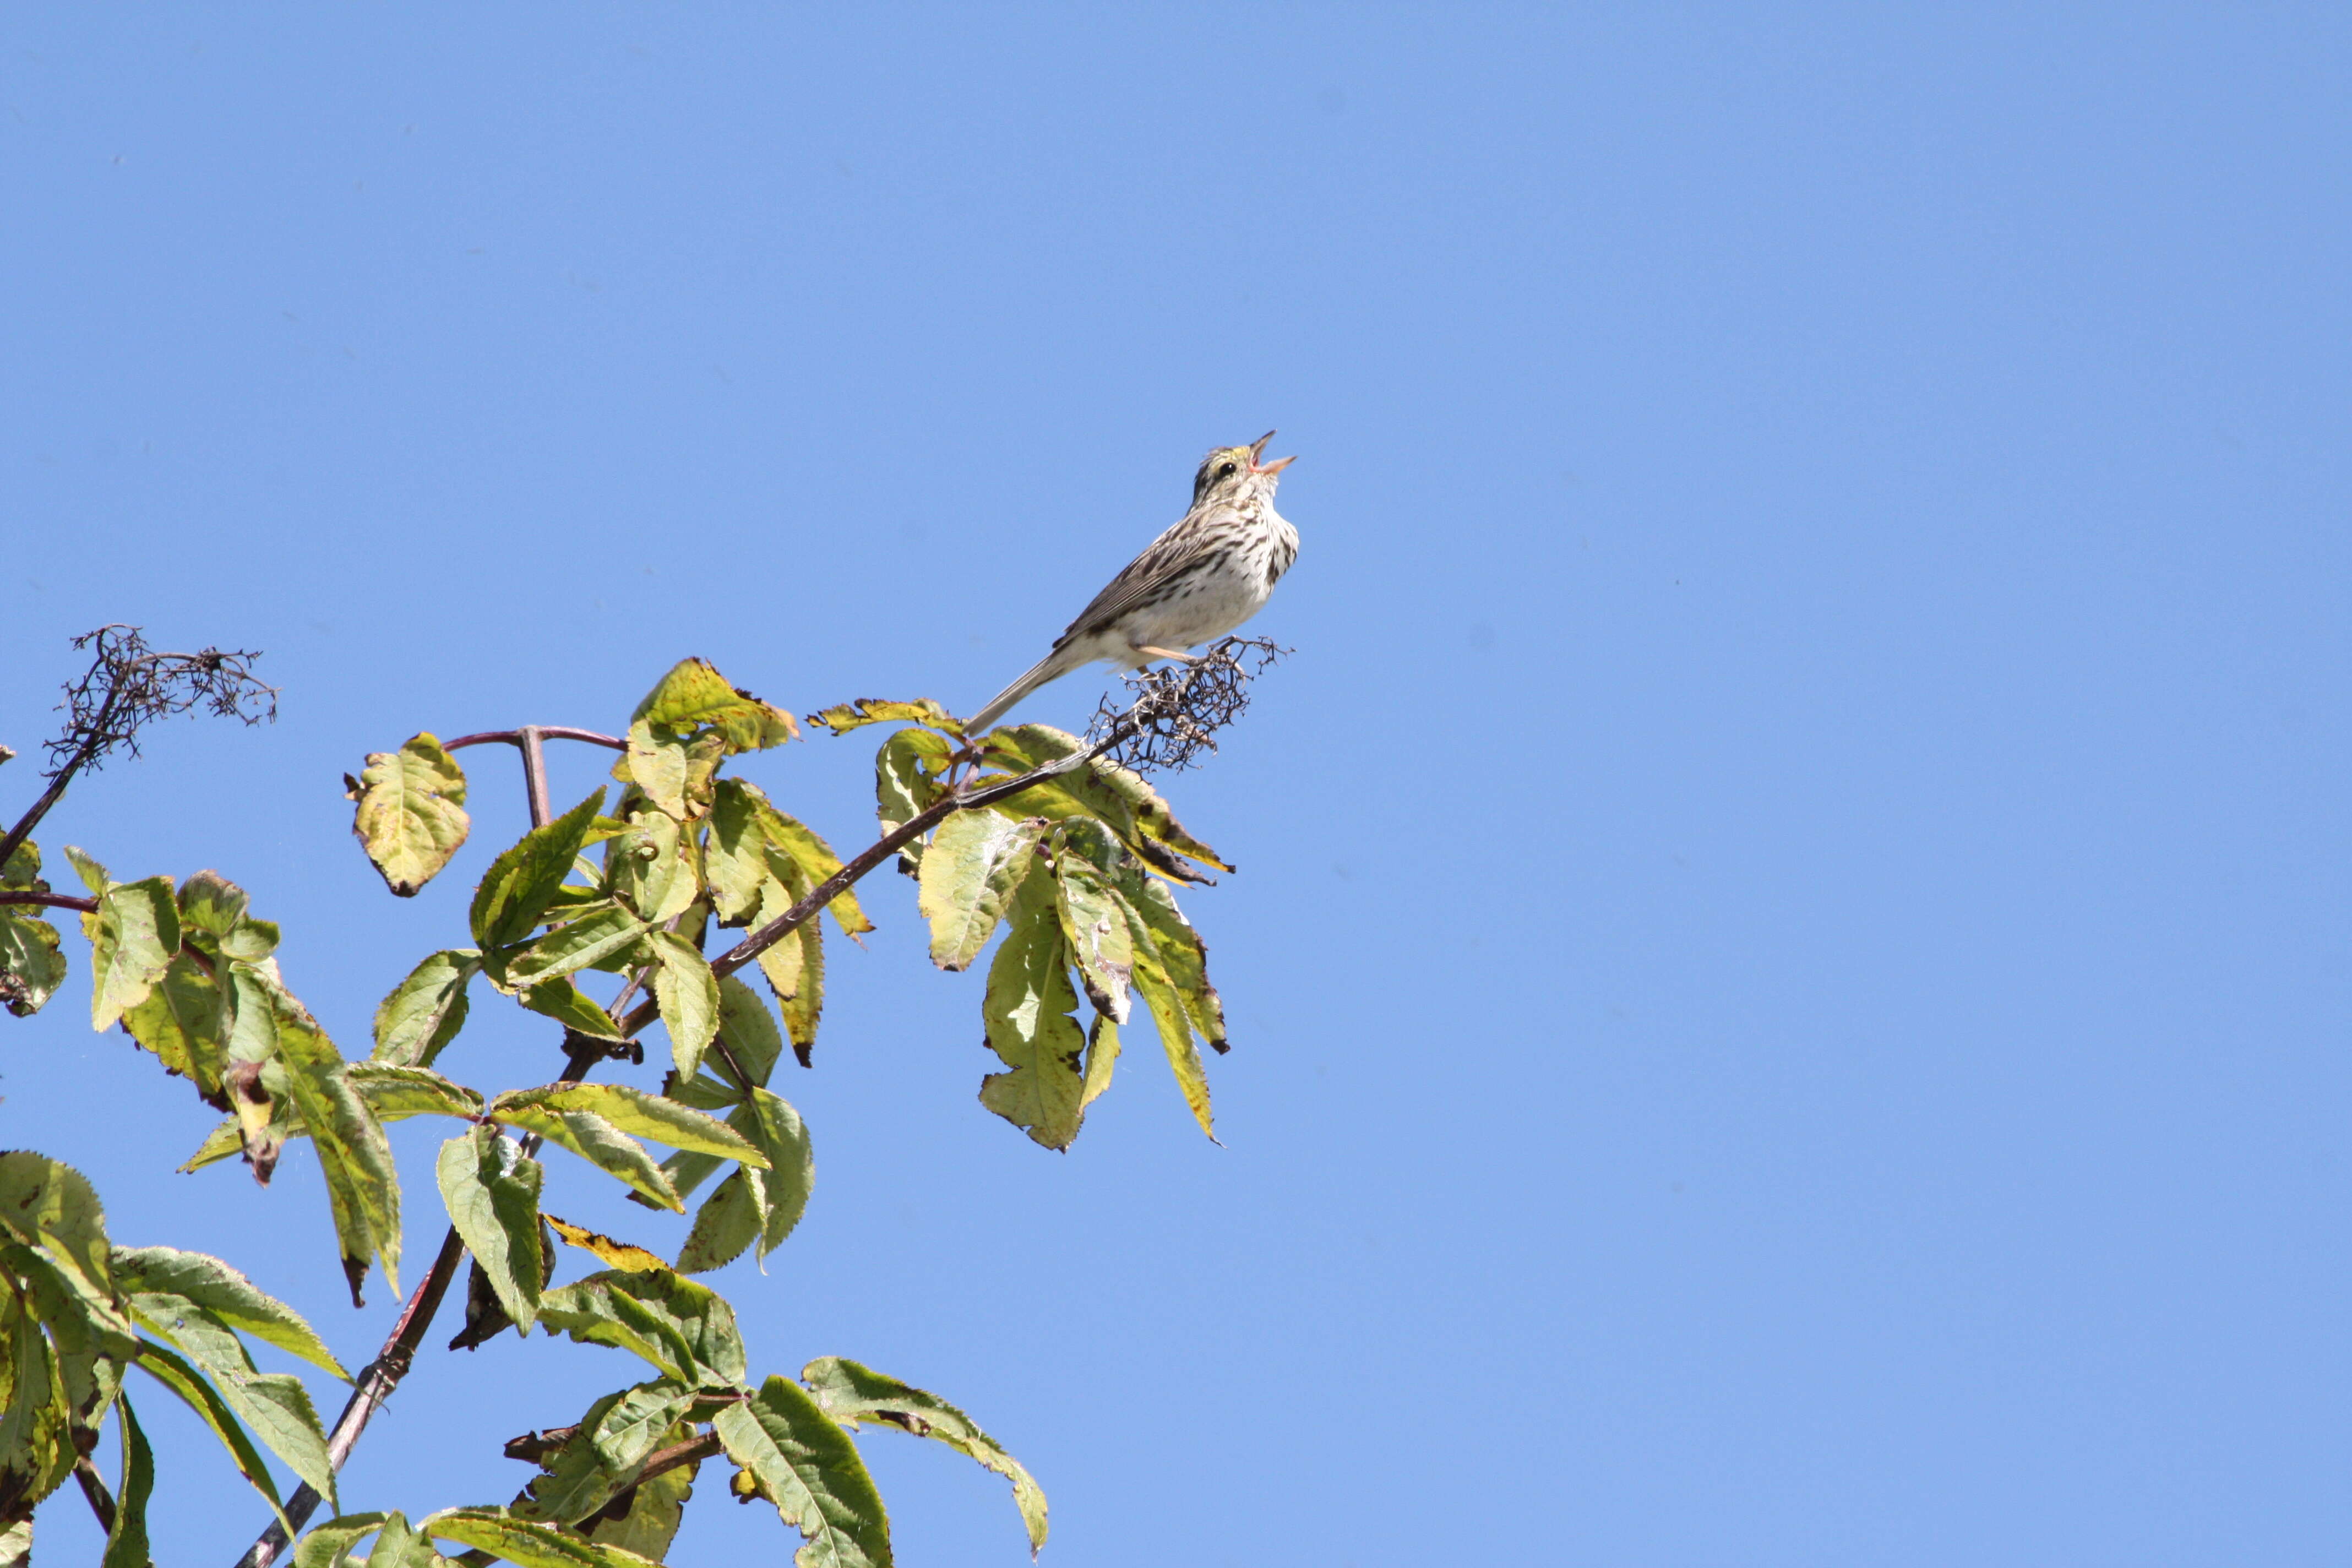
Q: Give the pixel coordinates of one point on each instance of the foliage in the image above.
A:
(605, 919)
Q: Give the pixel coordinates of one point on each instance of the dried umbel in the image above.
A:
(128, 685)
(1176, 709)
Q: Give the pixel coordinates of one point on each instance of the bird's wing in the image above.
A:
(1165, 558)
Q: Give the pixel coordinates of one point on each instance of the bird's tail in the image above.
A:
(1053, 667)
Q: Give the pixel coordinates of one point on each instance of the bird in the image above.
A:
(1214, 568)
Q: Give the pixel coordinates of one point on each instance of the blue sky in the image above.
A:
(1790, 974)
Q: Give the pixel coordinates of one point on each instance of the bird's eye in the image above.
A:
(1224, 470)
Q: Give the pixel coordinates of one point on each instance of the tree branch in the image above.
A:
(94, 1487)
(546, 732)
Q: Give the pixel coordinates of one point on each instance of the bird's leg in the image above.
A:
(1165, 653)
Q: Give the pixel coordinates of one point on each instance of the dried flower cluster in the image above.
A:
(1176, 709)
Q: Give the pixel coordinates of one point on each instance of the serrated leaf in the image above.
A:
(650, 868)
(976, 861)
(1030, 1024)
(600, 1143)
(806, 849)
(425, 1011)
(200, 1396)
(633, 1424)
(634, 1110)
(802, 1461)
(685, 1331)
(491, 1189)
(22, 868)
(1176, 1038)
(574, 946)
(327, 1545)
(36, 1445)
(126, 1542)
(179, 1020)
(844, 717)
(1095, 924)
(1118, 797)
(1102, 1059)
(651, 1524)
(748, 1031)
(794, 971)
(93, 876)
(220, 1289)
(851, 1394)
(362, 1186)
(134, 935)
(32, 962)
(411, 813)
(48, 1205)
(517, 888)
(530, 1543)
(688, 995)
(394, 1092)
(695, 696)
(563, 1001)
(906, 782)
(753, 1205)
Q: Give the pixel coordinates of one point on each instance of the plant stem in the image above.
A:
(32, 819)
(49, 901)
(94, 1487)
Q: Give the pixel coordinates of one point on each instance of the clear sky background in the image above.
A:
(1789, 975)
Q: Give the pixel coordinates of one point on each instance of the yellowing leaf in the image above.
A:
(844, 717)
(975, 861)
(1028, 1011)
(411, 816)
(620, 1255)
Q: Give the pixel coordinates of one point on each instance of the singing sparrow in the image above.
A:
(1214, 569)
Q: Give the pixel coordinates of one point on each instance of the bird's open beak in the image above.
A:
(1258, 451)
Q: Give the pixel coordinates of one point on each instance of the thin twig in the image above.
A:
(546, 732)
(49, 901)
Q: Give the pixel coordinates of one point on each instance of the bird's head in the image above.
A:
(1231, 470)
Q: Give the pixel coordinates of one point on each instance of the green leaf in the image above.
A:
(598, 1142)
(801, 1460)
(207, 1282)
(1102, 1057)
(650, 868)
(394, 1092)
(32, 965)
(201, 1398)
(1178, 949)
(214, 919)
(657, 766)
(850, 1394)
(1117, 797)
(133, 937)
(411, 816)
(93, 876)
(531, 1543)
(491, 1189)
(574, 946)
(695, 696)
(734, 850)
(327, 1545)
(651, 1524)
(685, 1331)
(688, 994)
(906, 781)
(633, 1424)
(180, 1021)
(844, 717)
(634, 1110)
(975, 861)
(277, 1408)
(749, 1030)
(794, 971)
(814, 857)
(48, 1205)
(1176, 1037)
(753, 1203)
(1030, 1024)
(36, 1444)
(1095, 924)
(126, 1543)
(425, 1011)
(520, 883)
(565, 1001)
(363, 1188)
(22, 870)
